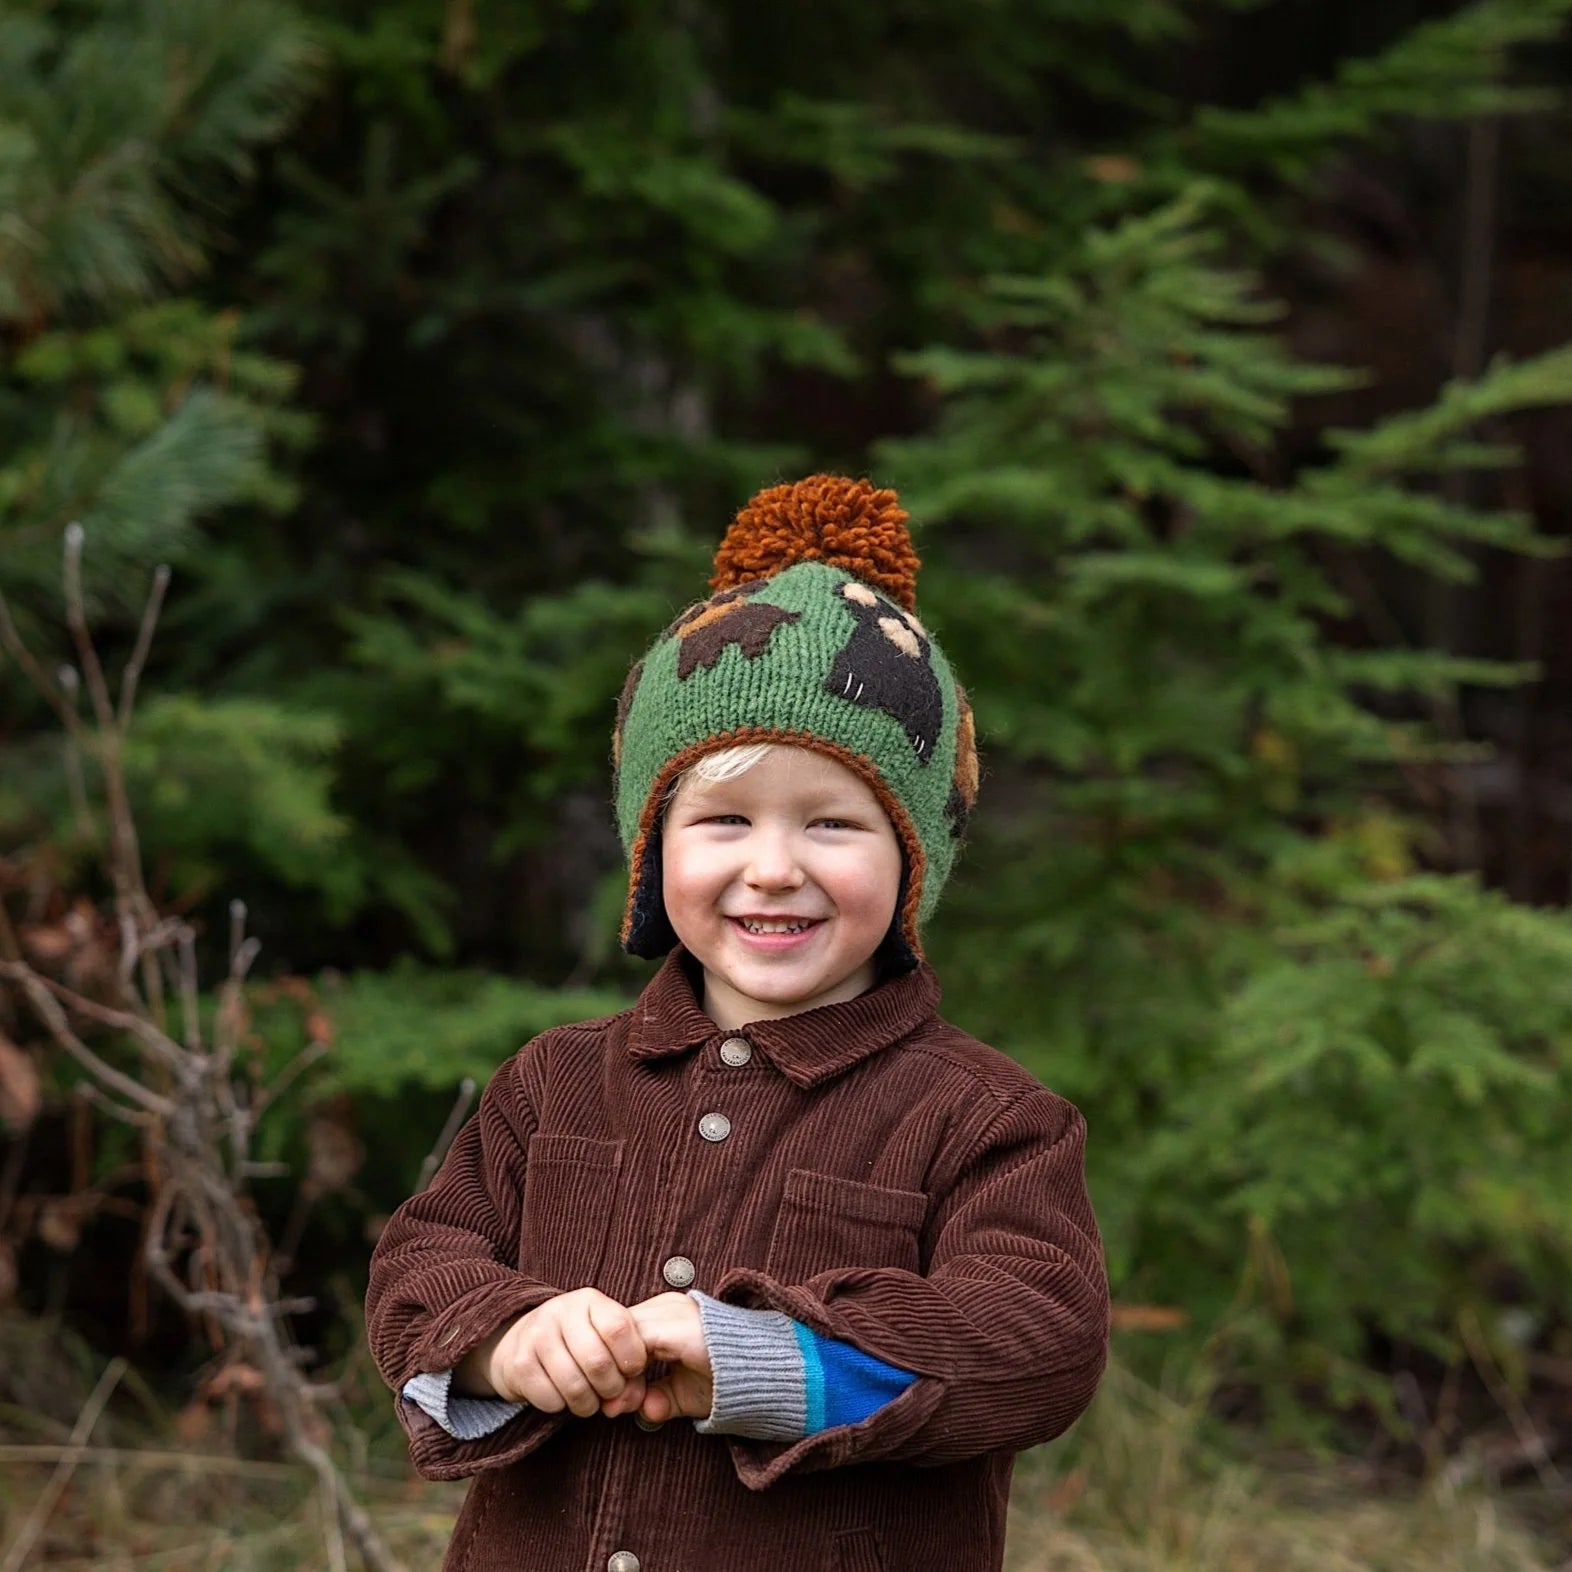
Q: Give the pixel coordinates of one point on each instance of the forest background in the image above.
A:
(1221, 353)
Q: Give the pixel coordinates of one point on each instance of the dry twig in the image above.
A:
(76, 1447)
(203, 1242)
(456, 1117)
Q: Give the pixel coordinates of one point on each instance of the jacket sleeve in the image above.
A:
(444, 1277)
(1007, 1330)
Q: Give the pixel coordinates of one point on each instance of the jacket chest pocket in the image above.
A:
(570, 1191)
(827, 1222)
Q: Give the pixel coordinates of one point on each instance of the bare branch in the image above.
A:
(286, 1077)
(40, 992)
(100, 1099)
(61, 696)
(241, 961)
(333, 1533)
(76, 775)
(190, 1007)
(76, 620)
(130, 947)
(159, 1046)
(456, 1117)
(125, 858)
(144, 642)
(226, 1028)
(12, 641)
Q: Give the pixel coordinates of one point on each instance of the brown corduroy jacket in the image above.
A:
(886, 1180)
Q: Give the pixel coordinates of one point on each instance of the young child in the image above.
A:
(779, 1197)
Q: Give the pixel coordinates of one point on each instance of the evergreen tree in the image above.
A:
(1204, 914)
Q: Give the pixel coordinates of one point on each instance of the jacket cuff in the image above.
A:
(462, 1326)
(454, 1332)
(464, 1418)
(761, 1386)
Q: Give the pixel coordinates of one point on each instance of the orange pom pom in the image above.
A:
(826, 518)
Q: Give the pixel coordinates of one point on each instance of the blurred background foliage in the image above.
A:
(1220, 350)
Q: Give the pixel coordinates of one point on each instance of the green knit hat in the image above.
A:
(811, 639)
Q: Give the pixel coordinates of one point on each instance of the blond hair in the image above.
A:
(724, 764)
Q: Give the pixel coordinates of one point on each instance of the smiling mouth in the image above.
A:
(777, 925)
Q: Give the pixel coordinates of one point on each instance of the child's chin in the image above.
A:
(782, 990)
(771, 984)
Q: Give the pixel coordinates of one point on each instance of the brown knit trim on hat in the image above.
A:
(858, 763)
(849, 524)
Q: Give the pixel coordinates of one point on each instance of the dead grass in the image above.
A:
(125, 1514)
(1145, 1493)
(1139, 1490)
(138, 1498)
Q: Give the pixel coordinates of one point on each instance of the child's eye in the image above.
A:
(836, 824)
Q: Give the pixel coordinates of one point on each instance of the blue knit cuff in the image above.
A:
(775, 1380)
(844, 1385)
(464, 1418)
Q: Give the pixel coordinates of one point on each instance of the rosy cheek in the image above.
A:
(694, 873)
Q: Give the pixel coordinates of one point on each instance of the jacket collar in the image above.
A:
(808, 1048)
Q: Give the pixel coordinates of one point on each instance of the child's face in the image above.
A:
(797, 839)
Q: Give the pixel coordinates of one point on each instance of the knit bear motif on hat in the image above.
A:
(811, 638)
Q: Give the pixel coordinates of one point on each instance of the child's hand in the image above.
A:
(581, 1351)
(672, 1330)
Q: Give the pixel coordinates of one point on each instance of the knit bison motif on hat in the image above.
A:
(728, 618)
(885, 666)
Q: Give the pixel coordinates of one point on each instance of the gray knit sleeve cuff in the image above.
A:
(464, 1418)
(760, 1387)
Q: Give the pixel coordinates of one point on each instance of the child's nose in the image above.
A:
(772, 865)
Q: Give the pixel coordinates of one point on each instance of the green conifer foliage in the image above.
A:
(677, 225)
(123, 132)
(1190, 904)
(126, 134)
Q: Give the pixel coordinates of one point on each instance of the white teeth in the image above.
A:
(772, 927)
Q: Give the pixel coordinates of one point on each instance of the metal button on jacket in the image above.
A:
(715, 1127)
(678, 1271)
(623, 1561)
(736, 1051)
(650, 1425)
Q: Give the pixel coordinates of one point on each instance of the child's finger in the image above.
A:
(620, 1333)
(658, 1405)
(627, 1401)
(681, 1395)
(594, 1359)
(656, 1326)
(529, 1383)
(564, 1372)
(672, 1329)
